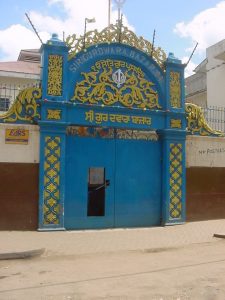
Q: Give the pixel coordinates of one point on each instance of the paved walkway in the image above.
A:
(111, 240)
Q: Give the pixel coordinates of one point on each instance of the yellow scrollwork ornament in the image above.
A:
(196, 123)
(113, 34)
(25, 108)
(55, 65)
(98, 87)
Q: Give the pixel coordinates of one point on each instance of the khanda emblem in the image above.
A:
(118, 77)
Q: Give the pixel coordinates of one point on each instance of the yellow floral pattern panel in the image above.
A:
(116, 83)
(176, 170)
(51, 207)
(175, 90)
(55, 73)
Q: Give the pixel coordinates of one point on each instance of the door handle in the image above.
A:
(107, 182)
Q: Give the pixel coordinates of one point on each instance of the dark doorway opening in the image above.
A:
(96, 192)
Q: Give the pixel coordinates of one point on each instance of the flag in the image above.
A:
(90, 20)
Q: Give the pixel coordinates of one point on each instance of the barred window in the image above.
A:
(4, 104)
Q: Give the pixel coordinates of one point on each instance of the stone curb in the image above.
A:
(22, 254)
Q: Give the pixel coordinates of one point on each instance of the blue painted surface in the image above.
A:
(54, 47)
(139, 171)
(174, 137)
(133, 198)
(83, 153)
(116, 51)
(138, 183)
(76, 115)
(46, 130)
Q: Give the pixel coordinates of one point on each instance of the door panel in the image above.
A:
(138, 183)
(81, 195)
(112, 183)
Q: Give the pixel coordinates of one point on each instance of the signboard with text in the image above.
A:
(16, 136)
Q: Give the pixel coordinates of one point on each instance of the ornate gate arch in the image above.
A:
(91, 98)
(116, 109)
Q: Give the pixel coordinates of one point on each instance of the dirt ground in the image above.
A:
(195, 271)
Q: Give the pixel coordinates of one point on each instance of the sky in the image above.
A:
(179, 24)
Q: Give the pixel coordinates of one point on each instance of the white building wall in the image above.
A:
(199, 99)
(15, 153)
(205, 151)
(207, 86)
(17, 81)
(195, 83)
(11, 86)
(216, 75)
(216, 85)
(195, 89)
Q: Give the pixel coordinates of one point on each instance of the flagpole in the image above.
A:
(109, 13)
(119, 5)
(85, 28)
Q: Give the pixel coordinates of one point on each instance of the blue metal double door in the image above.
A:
(112, 183)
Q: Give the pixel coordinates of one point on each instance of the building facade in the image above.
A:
(17, 75)
(206, 87)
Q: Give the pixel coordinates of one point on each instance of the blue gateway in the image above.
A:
(112, 133)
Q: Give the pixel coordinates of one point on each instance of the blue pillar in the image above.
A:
(173, 145)
(53, 135)
(54, 57)
(52, 177)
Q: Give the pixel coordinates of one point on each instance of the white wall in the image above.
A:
(216, 75)
(11, 86)
(207, 86)
(20, 153)
(199, 99)
(216, 86)
(195, 83)
(19, 82)
(205, 151)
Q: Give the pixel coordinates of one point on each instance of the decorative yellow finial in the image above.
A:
(114, 34)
